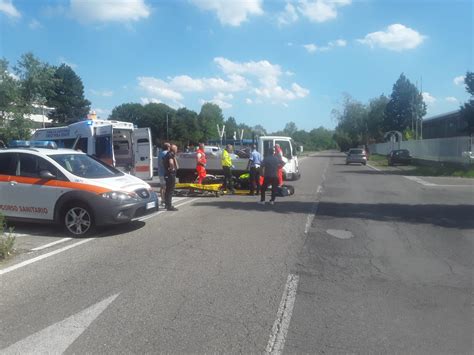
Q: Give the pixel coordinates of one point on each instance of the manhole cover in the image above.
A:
(340, 233)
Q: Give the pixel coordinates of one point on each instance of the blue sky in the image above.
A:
(264, 62)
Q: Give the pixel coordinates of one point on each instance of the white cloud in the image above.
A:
(396, 37)
(248, 101)
(231, 13)
(109, 11)
(311, 48)
(428, 98)
(338, 43)
(159, 89)
(288, 16)
(103, 93)
(35, 24)
(6, 6)
(451, 99)
(260, 78)
(459, 80)
(221, 100)
(63, 60)
(321, 10)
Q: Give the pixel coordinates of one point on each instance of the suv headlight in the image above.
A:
(120, 196)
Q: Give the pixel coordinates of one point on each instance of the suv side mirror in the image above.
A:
(46, 175)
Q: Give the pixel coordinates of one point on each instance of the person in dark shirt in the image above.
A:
(170, 165)
(270, 166)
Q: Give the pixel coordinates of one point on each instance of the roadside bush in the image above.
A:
(7, 240)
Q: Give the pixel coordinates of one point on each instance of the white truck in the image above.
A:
(116, 143)
(187, 161)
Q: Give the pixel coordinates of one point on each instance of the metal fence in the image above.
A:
(452, 150)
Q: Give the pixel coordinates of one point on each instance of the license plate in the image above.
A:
(151, 205)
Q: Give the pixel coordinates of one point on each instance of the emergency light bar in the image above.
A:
(32, 144)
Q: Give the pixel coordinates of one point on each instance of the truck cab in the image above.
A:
(291, 169)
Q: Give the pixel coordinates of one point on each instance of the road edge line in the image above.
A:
(277, 339)
(51, 244)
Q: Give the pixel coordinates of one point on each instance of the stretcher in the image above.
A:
(195, 189)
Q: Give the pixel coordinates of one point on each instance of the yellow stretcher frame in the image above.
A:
(216, 189)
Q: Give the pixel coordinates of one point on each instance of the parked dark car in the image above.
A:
(399, 156)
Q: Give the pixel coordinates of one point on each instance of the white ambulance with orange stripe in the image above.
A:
(117, 143)
(41, 182)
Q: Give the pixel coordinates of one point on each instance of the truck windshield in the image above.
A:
(85, 166)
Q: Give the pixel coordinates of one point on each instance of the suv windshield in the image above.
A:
(356, 151)
(85, 166)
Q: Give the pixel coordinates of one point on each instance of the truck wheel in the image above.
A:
(78, 219)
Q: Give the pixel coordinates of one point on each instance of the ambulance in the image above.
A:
(116, 143)
(41, 182)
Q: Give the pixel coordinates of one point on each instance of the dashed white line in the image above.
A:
(277, 339)
(43, 256)
(309, 221)
(51, 244)
(418, 180)
(373, 167)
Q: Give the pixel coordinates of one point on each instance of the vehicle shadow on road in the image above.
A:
(447, 216)
(115, 230)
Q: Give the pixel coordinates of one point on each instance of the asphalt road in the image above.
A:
(377, 263)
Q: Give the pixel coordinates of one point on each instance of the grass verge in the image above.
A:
(7, 240)
(419, 170)
(448, 171)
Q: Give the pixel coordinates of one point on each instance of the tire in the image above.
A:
(347, 163)
(78, 220)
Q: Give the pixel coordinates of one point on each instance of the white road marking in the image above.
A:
(277, 339)
(419, 180)
(373, 167)
(51, 244)
(43, 256)
(309, 221)
(56, 338)
(340, 233)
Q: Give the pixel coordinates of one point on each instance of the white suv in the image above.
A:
(38, 181)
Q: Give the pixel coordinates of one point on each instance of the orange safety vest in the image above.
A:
(201, 160)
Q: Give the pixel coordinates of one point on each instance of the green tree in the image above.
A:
(231, 128)
(259, 130)
(36, 81)
(209, 117)
(467, 110)
(186, 127)
(67, 97)
(375, 118)
(129, 112)
(406, 105)
(290, 129)
(353, 121)
(13, 124)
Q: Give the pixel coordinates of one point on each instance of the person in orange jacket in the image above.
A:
(201, 163)
(279, 153)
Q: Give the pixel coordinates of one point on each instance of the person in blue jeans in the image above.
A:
(255, 161)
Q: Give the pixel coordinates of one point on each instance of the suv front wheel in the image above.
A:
(78, 220)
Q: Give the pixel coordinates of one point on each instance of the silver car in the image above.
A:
(356, 155)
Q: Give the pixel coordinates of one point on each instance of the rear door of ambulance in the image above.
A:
(143, 153)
